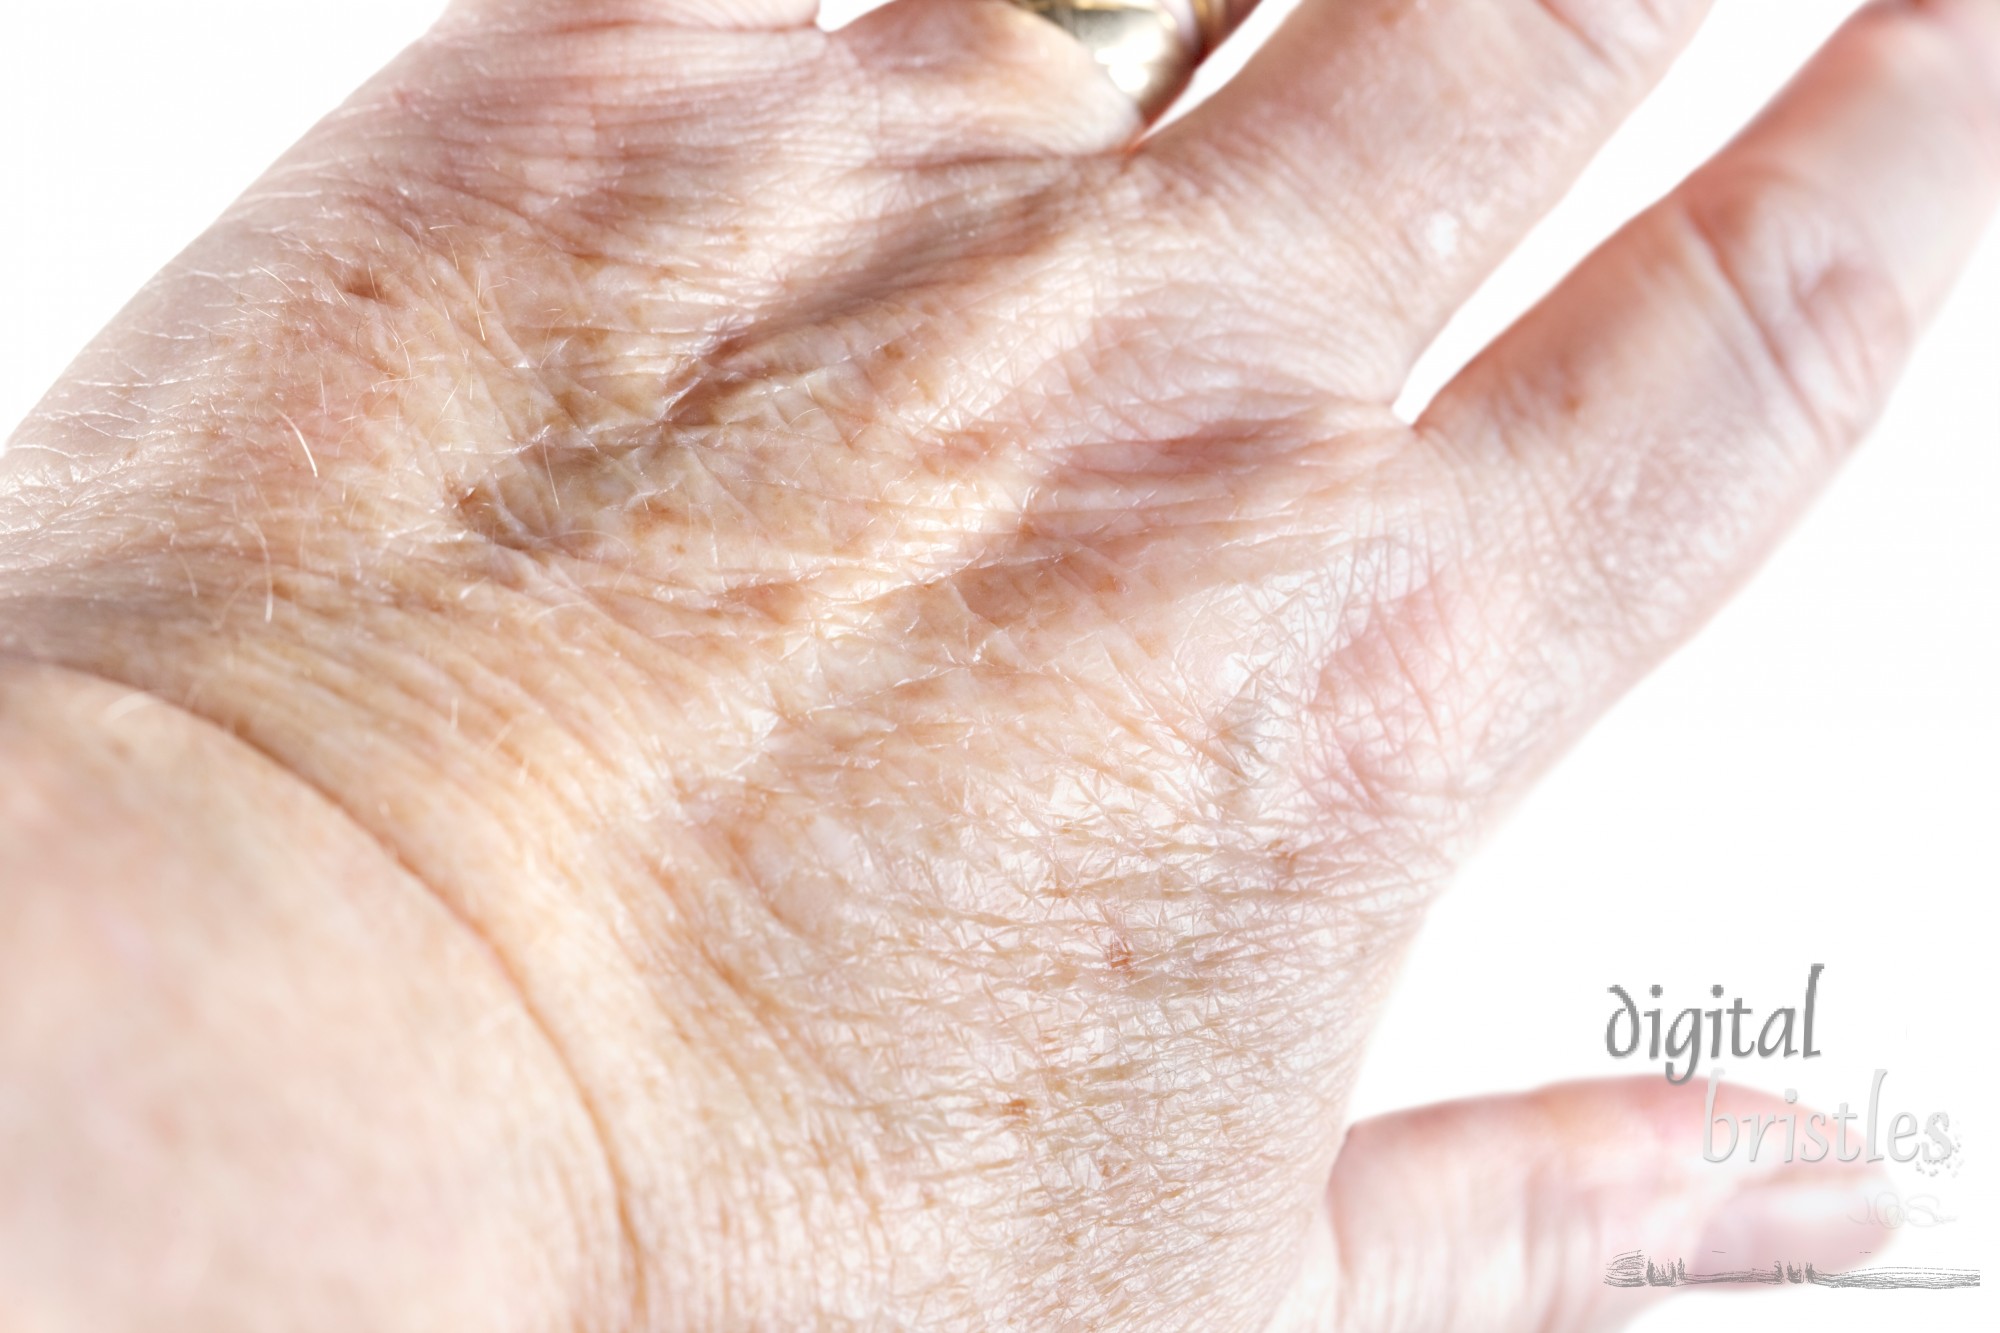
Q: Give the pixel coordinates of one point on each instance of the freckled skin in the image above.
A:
(937, 687)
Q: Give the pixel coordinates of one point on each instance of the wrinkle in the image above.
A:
(632, 1265)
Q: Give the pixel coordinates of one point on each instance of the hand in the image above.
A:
(804, 691)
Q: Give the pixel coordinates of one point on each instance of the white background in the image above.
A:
(1811, 781)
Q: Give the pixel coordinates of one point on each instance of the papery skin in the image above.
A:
(907, 695)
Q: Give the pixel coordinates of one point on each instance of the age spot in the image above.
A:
(362, 285)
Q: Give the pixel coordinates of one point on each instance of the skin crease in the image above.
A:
(877, 662)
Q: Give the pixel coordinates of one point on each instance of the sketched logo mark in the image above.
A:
(1634, 1269)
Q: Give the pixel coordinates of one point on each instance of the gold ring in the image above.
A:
(1149, 47)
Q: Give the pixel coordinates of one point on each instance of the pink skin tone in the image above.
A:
(701, 675)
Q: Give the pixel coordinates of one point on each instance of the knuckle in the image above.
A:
(1616, 35)
(958, 81)
(1810, 299)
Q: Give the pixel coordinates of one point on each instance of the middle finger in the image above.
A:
(1378, 157)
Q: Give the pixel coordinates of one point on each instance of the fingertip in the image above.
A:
(1547, 1206)
(1794, 1221)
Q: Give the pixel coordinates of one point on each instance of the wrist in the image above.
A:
(253, 1074)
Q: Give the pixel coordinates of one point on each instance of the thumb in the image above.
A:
(1504, 1213)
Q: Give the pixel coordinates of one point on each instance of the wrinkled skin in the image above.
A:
(797, 689)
